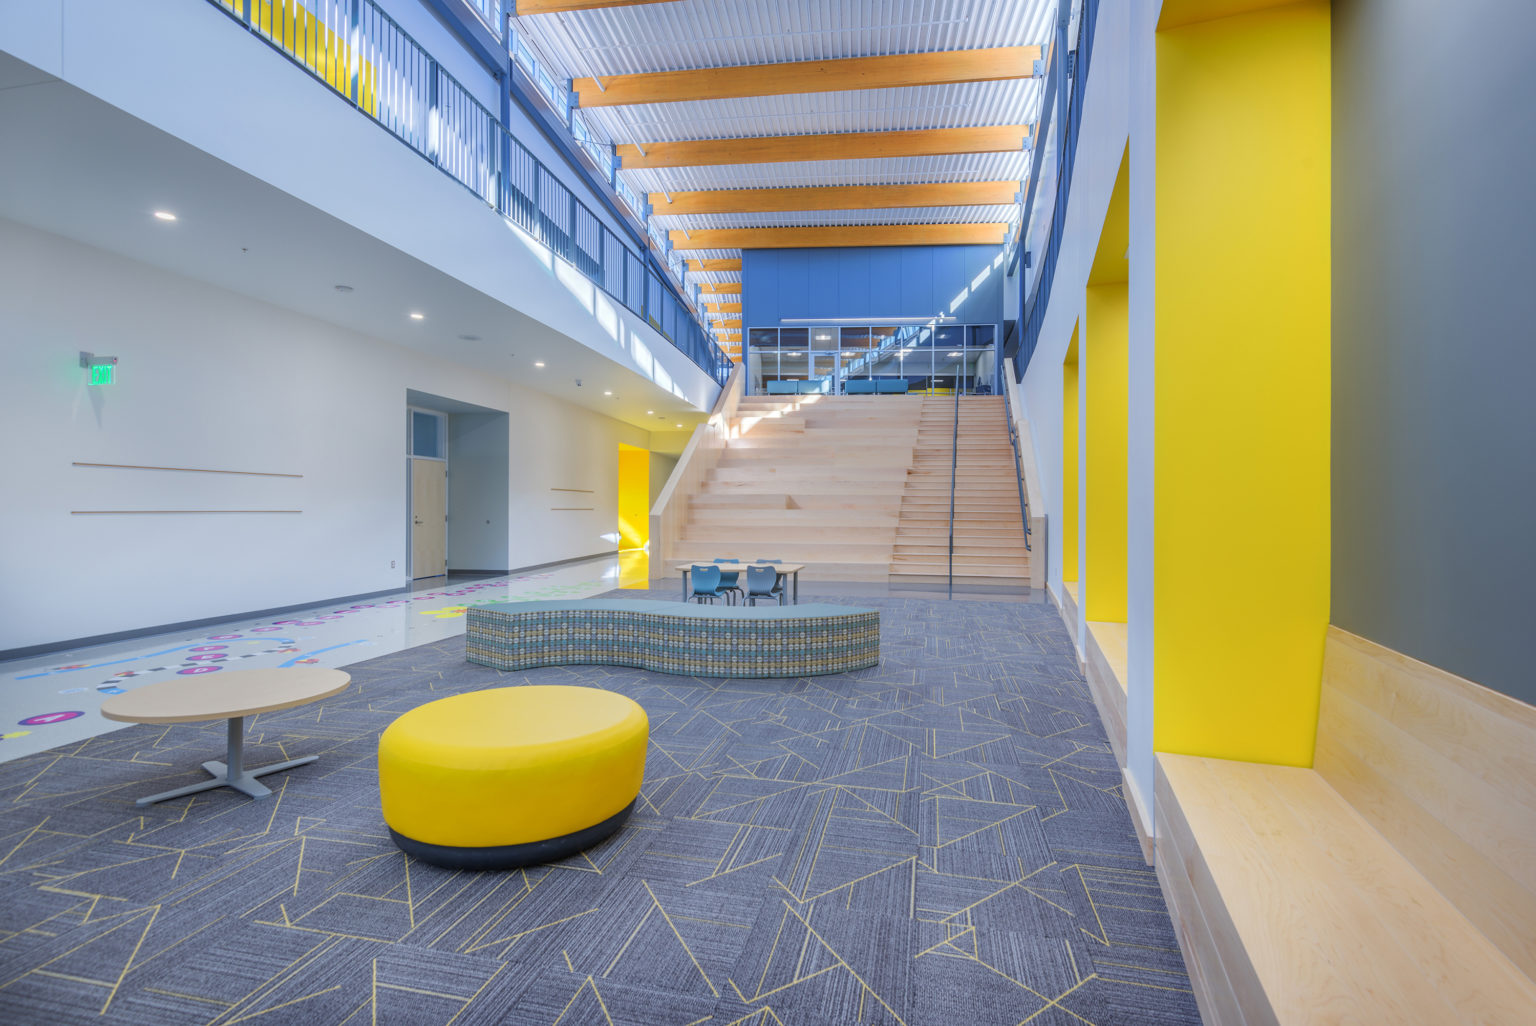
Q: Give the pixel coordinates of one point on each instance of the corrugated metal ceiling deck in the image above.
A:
(689, 34)
(827, 218)
(959, 167)
(962, 105)
(724, 33)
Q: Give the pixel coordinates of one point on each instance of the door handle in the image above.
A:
(419, 520)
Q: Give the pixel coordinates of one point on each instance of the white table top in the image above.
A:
(224, 695)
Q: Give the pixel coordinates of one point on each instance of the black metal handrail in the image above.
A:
(1018, 465)
(954, 466)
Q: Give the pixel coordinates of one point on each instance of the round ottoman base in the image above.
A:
(512, 856)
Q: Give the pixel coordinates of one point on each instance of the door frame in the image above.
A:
(410, 490)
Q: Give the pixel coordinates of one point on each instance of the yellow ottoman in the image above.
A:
(513, 776)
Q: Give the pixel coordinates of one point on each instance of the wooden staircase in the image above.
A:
(989, 526)
(807, 479)
(857, 488)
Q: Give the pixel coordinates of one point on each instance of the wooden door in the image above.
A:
(429, 518)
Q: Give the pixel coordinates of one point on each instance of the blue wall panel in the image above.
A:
(824, 288)
(877, 283)
(856, 280)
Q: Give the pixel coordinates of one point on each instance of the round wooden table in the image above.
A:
(231, 695)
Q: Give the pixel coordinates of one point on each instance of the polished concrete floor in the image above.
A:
(54, 699)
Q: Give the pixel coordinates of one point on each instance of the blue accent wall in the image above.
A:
(877, 283)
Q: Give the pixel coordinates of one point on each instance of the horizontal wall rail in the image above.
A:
(363, 55)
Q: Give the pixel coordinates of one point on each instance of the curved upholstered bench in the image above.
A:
(674, 637)
(511, 776)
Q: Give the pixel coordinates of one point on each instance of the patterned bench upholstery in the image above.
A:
(675, 637)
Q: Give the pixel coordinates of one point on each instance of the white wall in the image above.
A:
(212, 379)
(661, 469)
(1118, 108)
(1099, 149)
(273, 121)
(1142, 421)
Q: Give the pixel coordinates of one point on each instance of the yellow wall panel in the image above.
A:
(1241, 583)
(1106, 340)
(1069, 458)
(634, 497)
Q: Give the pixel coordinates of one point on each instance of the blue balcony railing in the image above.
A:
(362, 54)
(1045, 214)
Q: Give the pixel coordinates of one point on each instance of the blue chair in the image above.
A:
(763, 582)
(860, 387)
(897, 386)
(781, 387)
(729, 578)
(706, 584)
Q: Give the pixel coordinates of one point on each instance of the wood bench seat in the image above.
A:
(1297, 901)
(1315, 917)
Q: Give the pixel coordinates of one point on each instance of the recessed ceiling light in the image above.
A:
(538, 363)
(342, 288)
(606, 392)
(165, 215)
(650, 413)
(679, 425)
(954, 354)
(415, 316)
(470, 338)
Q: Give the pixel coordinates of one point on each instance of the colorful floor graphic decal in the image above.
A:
(55, 703)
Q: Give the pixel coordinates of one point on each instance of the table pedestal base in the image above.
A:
(232, 771)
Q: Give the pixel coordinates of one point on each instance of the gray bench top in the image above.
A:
(684, 609)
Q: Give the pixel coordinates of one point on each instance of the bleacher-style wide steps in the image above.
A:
(857, 489)
(989, 526)
(808, 479)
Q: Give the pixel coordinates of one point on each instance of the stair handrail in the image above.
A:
(1018, 465)
(954, 466)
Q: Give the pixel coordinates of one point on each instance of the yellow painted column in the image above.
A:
(1106, 341)
(634, 497)
(1069, 458)
(1242, 380)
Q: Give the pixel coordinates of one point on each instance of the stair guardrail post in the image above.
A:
(954, 467)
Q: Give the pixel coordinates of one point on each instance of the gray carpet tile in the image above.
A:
(938, 839)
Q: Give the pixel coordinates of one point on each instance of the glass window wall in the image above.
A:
(930, 359)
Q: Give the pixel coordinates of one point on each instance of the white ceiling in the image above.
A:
(90, 172)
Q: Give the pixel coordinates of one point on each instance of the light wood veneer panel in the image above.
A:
(1446, 770)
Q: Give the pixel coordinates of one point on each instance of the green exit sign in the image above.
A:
(103, 368)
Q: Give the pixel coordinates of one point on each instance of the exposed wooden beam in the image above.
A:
(731, 264)
(561, 6)
(723, 307)
(773, 149)
(843, 235)
(716, 289)
(886, 72)
(836, 197)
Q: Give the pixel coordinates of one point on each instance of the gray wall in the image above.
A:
(478, 476)
(1434, 359)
